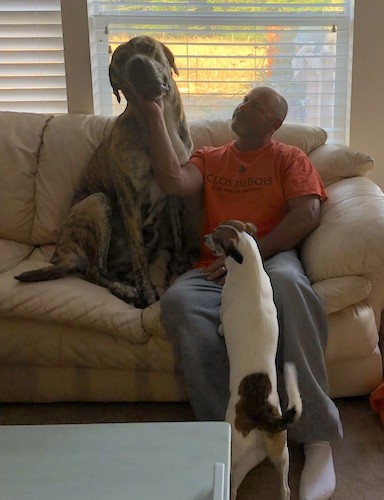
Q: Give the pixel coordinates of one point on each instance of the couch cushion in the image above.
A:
(69, 141)
(350, 238)
(218, 132)
(305, 137)
(74, 301)
(20, 141)
(68, 301)
(352, 333)
(12, 253)
(338, 293)
(336, 162)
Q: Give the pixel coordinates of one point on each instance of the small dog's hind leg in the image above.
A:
(277, 451)
(254, 457)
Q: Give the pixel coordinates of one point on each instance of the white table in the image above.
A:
(145, 461)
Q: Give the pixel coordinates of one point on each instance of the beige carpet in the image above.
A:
(359, 457)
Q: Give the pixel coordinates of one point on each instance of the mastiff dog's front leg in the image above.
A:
(131, 213)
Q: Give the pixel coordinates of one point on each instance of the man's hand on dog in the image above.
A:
(151, 108)
(217, 271)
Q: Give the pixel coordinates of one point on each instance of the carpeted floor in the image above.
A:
(358, 457)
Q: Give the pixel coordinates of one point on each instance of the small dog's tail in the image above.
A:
(253, 410)
(46, 273)
(295, 405)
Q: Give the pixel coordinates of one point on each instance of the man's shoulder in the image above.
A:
(288, 151)
(287, 148)
(210, 152)
(216, 149)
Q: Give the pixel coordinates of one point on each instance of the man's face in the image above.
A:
(254, 116)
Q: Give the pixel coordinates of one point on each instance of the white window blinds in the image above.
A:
(224, 48)
(32, 74)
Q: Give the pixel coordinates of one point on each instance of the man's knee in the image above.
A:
(292, 288)
(173, 300)
(288, 280)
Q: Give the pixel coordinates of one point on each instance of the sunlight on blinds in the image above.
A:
(223, 49)
(32, 74)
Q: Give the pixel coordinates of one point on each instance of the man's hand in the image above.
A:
(217, 271)
(151, 108)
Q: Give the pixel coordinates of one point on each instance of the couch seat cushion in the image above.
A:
(12, 253)
(70, 301)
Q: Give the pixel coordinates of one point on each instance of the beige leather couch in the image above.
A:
(70, 340)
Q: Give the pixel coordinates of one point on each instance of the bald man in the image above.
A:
(253, 178)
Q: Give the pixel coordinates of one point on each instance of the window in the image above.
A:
(32, 75)
(224, 48)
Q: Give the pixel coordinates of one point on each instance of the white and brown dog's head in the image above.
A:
(142, 65)
(224, 239)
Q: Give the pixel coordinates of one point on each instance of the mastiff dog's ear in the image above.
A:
(170, 58)
(113, 79)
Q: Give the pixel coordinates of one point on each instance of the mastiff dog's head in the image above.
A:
(142, 65)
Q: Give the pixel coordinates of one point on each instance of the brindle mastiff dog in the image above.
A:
(112, 230)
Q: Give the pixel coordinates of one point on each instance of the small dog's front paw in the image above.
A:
(220, 331)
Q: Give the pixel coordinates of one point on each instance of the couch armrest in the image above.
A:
(335, 162)
(350, 238)
(339, 293)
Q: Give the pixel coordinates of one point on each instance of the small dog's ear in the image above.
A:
(232, 251)
(170, 58)
(251, 229)
(114, 85)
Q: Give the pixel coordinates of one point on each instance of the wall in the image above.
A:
(76, 48)
(367, 106)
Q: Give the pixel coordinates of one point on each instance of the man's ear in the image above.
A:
(276, 124)
(231, 251)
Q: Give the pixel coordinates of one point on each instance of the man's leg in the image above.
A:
(302, 340)
(190, 313)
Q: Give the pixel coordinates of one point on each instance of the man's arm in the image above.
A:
(171, 177)
(302, 218)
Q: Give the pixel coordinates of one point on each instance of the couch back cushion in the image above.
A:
(21, 136)
(218, 132)
(43, 157)
(69, 141)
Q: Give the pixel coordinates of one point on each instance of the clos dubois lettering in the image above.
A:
(228, 182)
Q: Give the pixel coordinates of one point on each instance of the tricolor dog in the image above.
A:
(249, 324)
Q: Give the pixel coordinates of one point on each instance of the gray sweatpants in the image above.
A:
(190, 312)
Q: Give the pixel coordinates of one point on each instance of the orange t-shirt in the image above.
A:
(252, 185)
